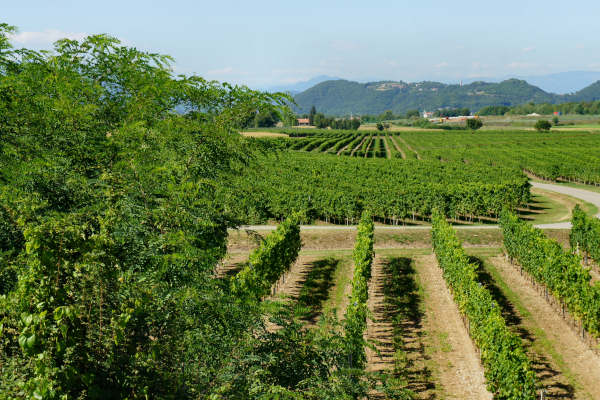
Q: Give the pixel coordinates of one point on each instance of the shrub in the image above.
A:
(542, 125)
(474, 124)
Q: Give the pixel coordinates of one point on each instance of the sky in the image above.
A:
(263, 43)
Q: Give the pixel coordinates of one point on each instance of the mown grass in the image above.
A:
(549, 207)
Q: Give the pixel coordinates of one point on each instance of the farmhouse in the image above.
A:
(303, 122)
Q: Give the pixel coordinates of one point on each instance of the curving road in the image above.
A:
(585, 195)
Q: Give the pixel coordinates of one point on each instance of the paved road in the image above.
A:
(586, 195)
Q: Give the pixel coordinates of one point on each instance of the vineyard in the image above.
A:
(387, 265)
(585, 235)
(466, 307)
(567, 156)
(507, 368)
(559, 271)
(338, 189)
(357, 144)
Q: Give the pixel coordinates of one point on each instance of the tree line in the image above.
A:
(321, 121)
(573, 108)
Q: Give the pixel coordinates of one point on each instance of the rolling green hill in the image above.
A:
(590, 93)
(342, 97)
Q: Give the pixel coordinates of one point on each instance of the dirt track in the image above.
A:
(398, 148)
(388, 152)
(460, 370)
(358, 146)
(379, 327)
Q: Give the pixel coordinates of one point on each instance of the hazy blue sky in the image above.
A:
(263, 42)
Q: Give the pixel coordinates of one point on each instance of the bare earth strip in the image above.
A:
(395, 326)
(358, 146)
(594, 270)
(398, 147)
(264, 134)
(388, 152)
(290, 284)
(571, 352)
(460, 371)
(379, 328)
(343, 149)
(230, 265)
(371, 141)
(288, 287)
(409, 148)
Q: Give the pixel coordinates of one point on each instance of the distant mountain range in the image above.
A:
(559, 83)
(342, 97)
(295, 88)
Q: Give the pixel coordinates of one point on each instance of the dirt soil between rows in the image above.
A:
(583, 364)
(398, 148)
(460, 371)
(379, 326)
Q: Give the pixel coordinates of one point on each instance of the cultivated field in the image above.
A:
(571, 156)
(153, 254)
(418, 334)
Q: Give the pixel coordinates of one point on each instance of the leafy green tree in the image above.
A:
(289, 118)
(542, 125)
(311, 115)
(266, 119)
(113, 220)
(474, 124)
(321, 121)
(379, 126)
(413, 114)
(387, 116)
(555, 120)
(493, 110)
(452, 112)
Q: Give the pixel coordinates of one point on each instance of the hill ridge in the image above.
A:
(342, 97)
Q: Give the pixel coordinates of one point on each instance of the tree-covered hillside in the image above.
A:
(343, 97)
(590, 93)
